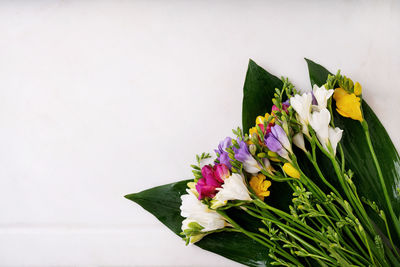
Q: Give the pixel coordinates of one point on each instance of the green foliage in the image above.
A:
(259, 89)
(164, 202)
(358, 157)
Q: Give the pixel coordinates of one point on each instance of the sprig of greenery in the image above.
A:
(197, 168)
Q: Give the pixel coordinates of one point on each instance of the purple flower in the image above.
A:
(272, 143)
(280, 134)
(277, 141)
(223, 155)
(243, 155)
(225, 159)
(224, 144)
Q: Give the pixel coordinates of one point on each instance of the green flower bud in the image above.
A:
(253, 149)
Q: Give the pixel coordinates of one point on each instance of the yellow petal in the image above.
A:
(290, 170)
(260, 186)
(357, 89)
(260, 120)
(348, 105)
(252, 130)
(339, 93)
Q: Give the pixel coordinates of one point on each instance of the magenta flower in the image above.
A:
(285, 106)
(221, 172)
(212, 179)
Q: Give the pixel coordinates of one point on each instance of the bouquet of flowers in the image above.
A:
(311, 179)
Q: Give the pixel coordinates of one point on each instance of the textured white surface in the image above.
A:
(100, 99)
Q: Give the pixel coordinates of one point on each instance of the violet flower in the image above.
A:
(277, 141)
(223, 155)
(243, 155)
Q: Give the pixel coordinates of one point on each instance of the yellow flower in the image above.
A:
(261, 119)
(348, 105)
(357, 89)
(291, 171)
(252, 130)
(260, 185)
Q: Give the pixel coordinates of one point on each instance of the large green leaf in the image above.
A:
(164, 202)
(358, 157)
(258, 91)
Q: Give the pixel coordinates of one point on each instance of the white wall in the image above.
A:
(100, 99)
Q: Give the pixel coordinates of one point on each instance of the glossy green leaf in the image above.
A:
(258, 90)
(358, 157)
(164, 202)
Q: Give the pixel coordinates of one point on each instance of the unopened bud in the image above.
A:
(252, 149)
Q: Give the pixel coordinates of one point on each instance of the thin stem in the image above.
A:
(315, 164)
(381, 179)
(264, 242)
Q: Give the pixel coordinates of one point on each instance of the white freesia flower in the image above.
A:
(322, 95)
(298, 140)
(251, 165)
(319, 121)
(233, 188)
(335, 135)
(302, 105)
(195, 211)
(267, 165)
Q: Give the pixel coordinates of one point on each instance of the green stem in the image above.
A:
(359, 208)
(265, 242)
(381, 180)
(316, 167)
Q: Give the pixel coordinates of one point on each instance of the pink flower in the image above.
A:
(212, 179)
(221, 172)
(285, 106)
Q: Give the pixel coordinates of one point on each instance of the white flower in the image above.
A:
(195, 211)
(334, 137)
(267, 165)
(319, 121)
(298, 140)
(251, 165)
(233, 188)
(302, 105)
(322, 95)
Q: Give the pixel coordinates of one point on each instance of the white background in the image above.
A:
(100, 99)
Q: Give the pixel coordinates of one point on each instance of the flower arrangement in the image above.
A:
(310, 180)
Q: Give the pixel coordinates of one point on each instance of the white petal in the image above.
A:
(194, 210)
(319, 121)
(267, 163)
(298, 140)
(302, 105)
(233, 189)
(335, 135)
(322, 95)
(251, 165)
